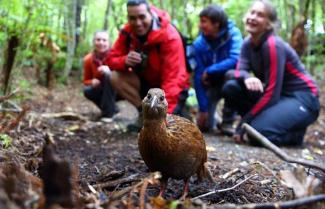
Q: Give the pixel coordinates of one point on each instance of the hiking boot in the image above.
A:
(226, 129)
(106, 119)
(136, 126)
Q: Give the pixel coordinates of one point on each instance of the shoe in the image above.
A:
(226, 128)
(106, 120)
(136, 126)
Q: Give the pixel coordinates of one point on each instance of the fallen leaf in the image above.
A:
(307, 155)
(318, 151)
(210, 148)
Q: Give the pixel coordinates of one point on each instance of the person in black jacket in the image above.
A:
(279, 99)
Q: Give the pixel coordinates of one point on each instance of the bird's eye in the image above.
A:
(149, 96)
(162, 98)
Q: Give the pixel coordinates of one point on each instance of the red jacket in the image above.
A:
(90, 65)
(166, 67)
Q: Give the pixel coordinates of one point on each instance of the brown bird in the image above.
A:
(171, 144)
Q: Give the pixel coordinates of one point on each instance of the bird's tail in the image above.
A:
(206, 173)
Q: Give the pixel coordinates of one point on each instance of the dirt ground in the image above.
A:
(106, 155)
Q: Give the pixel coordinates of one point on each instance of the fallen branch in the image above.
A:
(283, 205)
(6, 97)
(13, 123)
(143, 193)
(113, 184)
(152, 179)
(64, 115)
(223, 190)
(276, 150)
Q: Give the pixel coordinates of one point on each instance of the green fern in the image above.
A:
(5, 140)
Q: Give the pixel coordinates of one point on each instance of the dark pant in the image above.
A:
(103, 96)
(228, 114)
(285, 122)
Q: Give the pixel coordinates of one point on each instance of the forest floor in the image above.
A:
(107, 159)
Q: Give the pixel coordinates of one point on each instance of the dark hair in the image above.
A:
(271, 12)
(137, 3)
(216, 14)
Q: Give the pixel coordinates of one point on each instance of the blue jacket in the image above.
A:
(216, 58)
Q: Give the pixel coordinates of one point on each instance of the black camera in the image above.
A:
(139, 68)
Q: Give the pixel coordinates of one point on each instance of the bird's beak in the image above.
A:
(153, 102)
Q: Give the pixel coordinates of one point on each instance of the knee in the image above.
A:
(90, 93)
(278, 138)
(230, 89)
(230, 74)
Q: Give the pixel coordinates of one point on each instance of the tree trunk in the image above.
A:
(185, 17)
(173, 10)
(107, 14)
(71, 41)
(10, 55)
(161, 4)
(79, 4)
(85, 22)
(323, 13)
(117, 20)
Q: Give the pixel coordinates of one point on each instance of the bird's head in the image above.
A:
(154, 105)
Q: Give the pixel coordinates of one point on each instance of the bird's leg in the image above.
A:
(186, 188)
(163, 186)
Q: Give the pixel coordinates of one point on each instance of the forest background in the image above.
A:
(44, 41)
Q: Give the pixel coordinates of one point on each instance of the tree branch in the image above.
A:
(223, 190)
(276, 150)
(283, 205)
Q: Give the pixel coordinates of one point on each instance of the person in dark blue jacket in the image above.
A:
(279, 99)
(216, 50)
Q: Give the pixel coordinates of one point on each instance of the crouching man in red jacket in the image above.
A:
(148, 53)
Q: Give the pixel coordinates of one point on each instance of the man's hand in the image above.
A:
(133, 58)
(104, 69)
(202, 121)
(254, 84)
(95, 83)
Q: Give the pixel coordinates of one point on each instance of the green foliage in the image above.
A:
(29, 18)
(5, 141)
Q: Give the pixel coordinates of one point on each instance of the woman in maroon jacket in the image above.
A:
(280, 99)
(148, 53)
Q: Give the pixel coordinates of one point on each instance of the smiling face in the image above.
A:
(101, 42)
(208, 28)
(257, 21)
(140, 19)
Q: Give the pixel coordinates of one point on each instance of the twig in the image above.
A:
(230, 173)
(111, 184)
(152, 179)
(283, 205)
(4, 98)
(15, 122)
(223, 190)
(142, 194)
(64, 115)
(276, 150)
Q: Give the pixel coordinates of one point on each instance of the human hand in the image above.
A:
(254, 84)
(95, 83)
(133, 58)
(238, 138)
(205, 79)
(239, 134)
(104, 69)
(201, 121)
